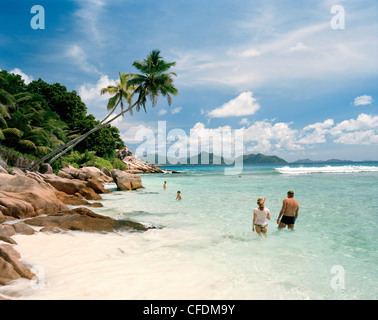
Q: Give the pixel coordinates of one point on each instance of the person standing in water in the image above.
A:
(260, 215)
(165, 185)
(289, 212)
(178, 195)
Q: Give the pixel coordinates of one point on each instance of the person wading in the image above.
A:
(289, 212)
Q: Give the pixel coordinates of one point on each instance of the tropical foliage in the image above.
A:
(47, 121)
(89, 158)
(152, 81)
(40, 117)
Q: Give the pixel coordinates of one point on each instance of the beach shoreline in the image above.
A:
(206, 250)
(32, 202)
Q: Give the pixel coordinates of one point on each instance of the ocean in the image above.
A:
(202, 247)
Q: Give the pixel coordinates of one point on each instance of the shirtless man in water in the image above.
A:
(289, 212)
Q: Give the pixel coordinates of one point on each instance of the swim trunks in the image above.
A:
(288, 219)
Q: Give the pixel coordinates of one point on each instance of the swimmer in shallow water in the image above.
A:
(289, 212)
(178, 195)
(260, 215)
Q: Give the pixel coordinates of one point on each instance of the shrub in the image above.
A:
(101, 163)
(118, 164)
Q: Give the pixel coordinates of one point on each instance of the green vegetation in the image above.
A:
(262, 159)
(154, 80)
(46, 121)
(89, 159)
(40, 117)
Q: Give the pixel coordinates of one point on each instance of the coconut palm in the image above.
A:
(148, 85)
(120, 92)
(153, 80)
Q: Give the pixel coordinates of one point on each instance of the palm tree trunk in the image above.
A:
(43, 159)
(71, 144)
(81, 138)
(68, 146)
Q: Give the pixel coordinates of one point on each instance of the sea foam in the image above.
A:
(326, 169)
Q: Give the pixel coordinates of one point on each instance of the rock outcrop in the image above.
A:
(84, 174)
(69, 186)
(41, 199)
(10, 266)
(135, 164)
(126, 181)
(83, 219)
(22, 197)
(8, 230)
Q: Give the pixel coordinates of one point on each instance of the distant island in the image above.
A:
(330, 161)
(206, 158)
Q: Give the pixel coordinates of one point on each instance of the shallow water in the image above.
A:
(205, 248)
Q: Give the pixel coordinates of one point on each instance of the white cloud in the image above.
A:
(320, 125)
(363, 122)
(363, 130)
(315, 133)
(267, 136)
(27, 79)
(90, 93)
(363, 100)
(162, 112)
(325, 54)
(89, 13)
(78, 56)
(243, 105)
(366, 137)
(299, 47)
(130, 134)
(176, 110)
(248, 53)
(244, 121)
(217, 140)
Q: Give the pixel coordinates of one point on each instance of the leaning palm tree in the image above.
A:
(153, 80)
(120, 92)
(148, 85)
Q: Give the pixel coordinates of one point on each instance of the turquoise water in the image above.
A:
(337, 226)
(203, 246)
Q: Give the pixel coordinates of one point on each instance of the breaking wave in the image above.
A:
(327, 169)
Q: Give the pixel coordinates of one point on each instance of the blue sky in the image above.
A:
(298, 87)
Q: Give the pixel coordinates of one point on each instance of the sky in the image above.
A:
(298, 78)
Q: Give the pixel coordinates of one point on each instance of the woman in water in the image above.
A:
(260, 215)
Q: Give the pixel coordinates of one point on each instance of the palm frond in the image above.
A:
(3, 122)
(13, 131)
(27, 144)
(43, 150)
(7, 98)
(4, 110)
(112, 102)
